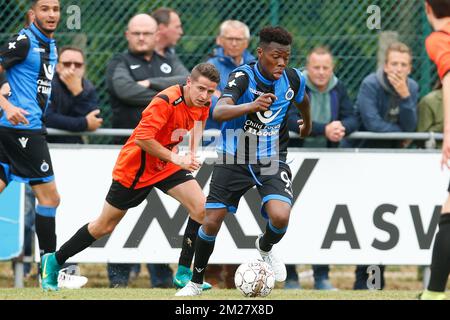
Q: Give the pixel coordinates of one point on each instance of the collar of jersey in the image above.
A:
(38, 33)
(260, 76)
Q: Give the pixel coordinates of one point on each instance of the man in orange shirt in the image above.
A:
(438, 48)
(148, 160)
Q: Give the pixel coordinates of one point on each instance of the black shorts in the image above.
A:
(230, 182)
(124, 198)
(24, 157)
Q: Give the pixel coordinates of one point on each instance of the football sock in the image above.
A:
(203, 250)
(440, 262)
(45, 229)
(272, 236)
(189, 240)
(80, 241)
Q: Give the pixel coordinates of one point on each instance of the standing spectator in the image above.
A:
(387, 102)
(333, 117)
(133, 79)
(387, 99)
(74, 103)
(170, 31)
(230, 53)
(136, 76)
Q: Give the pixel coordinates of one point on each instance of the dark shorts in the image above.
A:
(124, 198)
(230, 182)
(25, 157)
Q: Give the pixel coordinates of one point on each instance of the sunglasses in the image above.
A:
(68, 64)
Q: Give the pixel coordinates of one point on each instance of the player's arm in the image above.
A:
(196, 136)
(446, 143)
(156, 149)
(226, 108)
(154, 118)
(305, 124)
(14, 115)
(12, 53)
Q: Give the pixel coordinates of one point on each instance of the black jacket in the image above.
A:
(68, 112)
(128, 99)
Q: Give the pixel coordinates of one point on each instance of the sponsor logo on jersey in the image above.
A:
(289, 94)
(23, 141)
(232, 84)
(178, 101)
(256, 92)
(45, 166)
(268, 116)
(49, 71)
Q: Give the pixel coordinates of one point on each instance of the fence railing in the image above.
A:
(215, 133)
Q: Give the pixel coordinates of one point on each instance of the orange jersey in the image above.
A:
(163, 120)
(438, 48)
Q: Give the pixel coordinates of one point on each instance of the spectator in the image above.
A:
(333, 117)
(74, 103)
(387, 99)
(387, 102)
(230, 53)
(169, 33)
(133, 79)
(431, 116)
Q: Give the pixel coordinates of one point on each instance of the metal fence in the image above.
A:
(349, 27)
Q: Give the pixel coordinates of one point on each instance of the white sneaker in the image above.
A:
(277, 265)
(191, 289)
(70, 281)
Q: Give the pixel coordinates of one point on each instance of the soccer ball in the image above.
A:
(254, 279)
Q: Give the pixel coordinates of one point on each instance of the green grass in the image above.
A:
(216, 294)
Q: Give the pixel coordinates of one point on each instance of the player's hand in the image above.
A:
(445, 152)
(335, 131)
(263, 103)
(304, 129)
(187, 162)
(94, 122)
(16, 115)
(73, 82)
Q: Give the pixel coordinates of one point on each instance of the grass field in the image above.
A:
(216, 294)
(402, 283)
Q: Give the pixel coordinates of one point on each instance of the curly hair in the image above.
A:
(275, 34)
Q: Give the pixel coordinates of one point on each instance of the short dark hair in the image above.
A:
(162, 15)
(34, 2)
(275, 34)
(441, 8)
(72, 48)
(206, 70)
